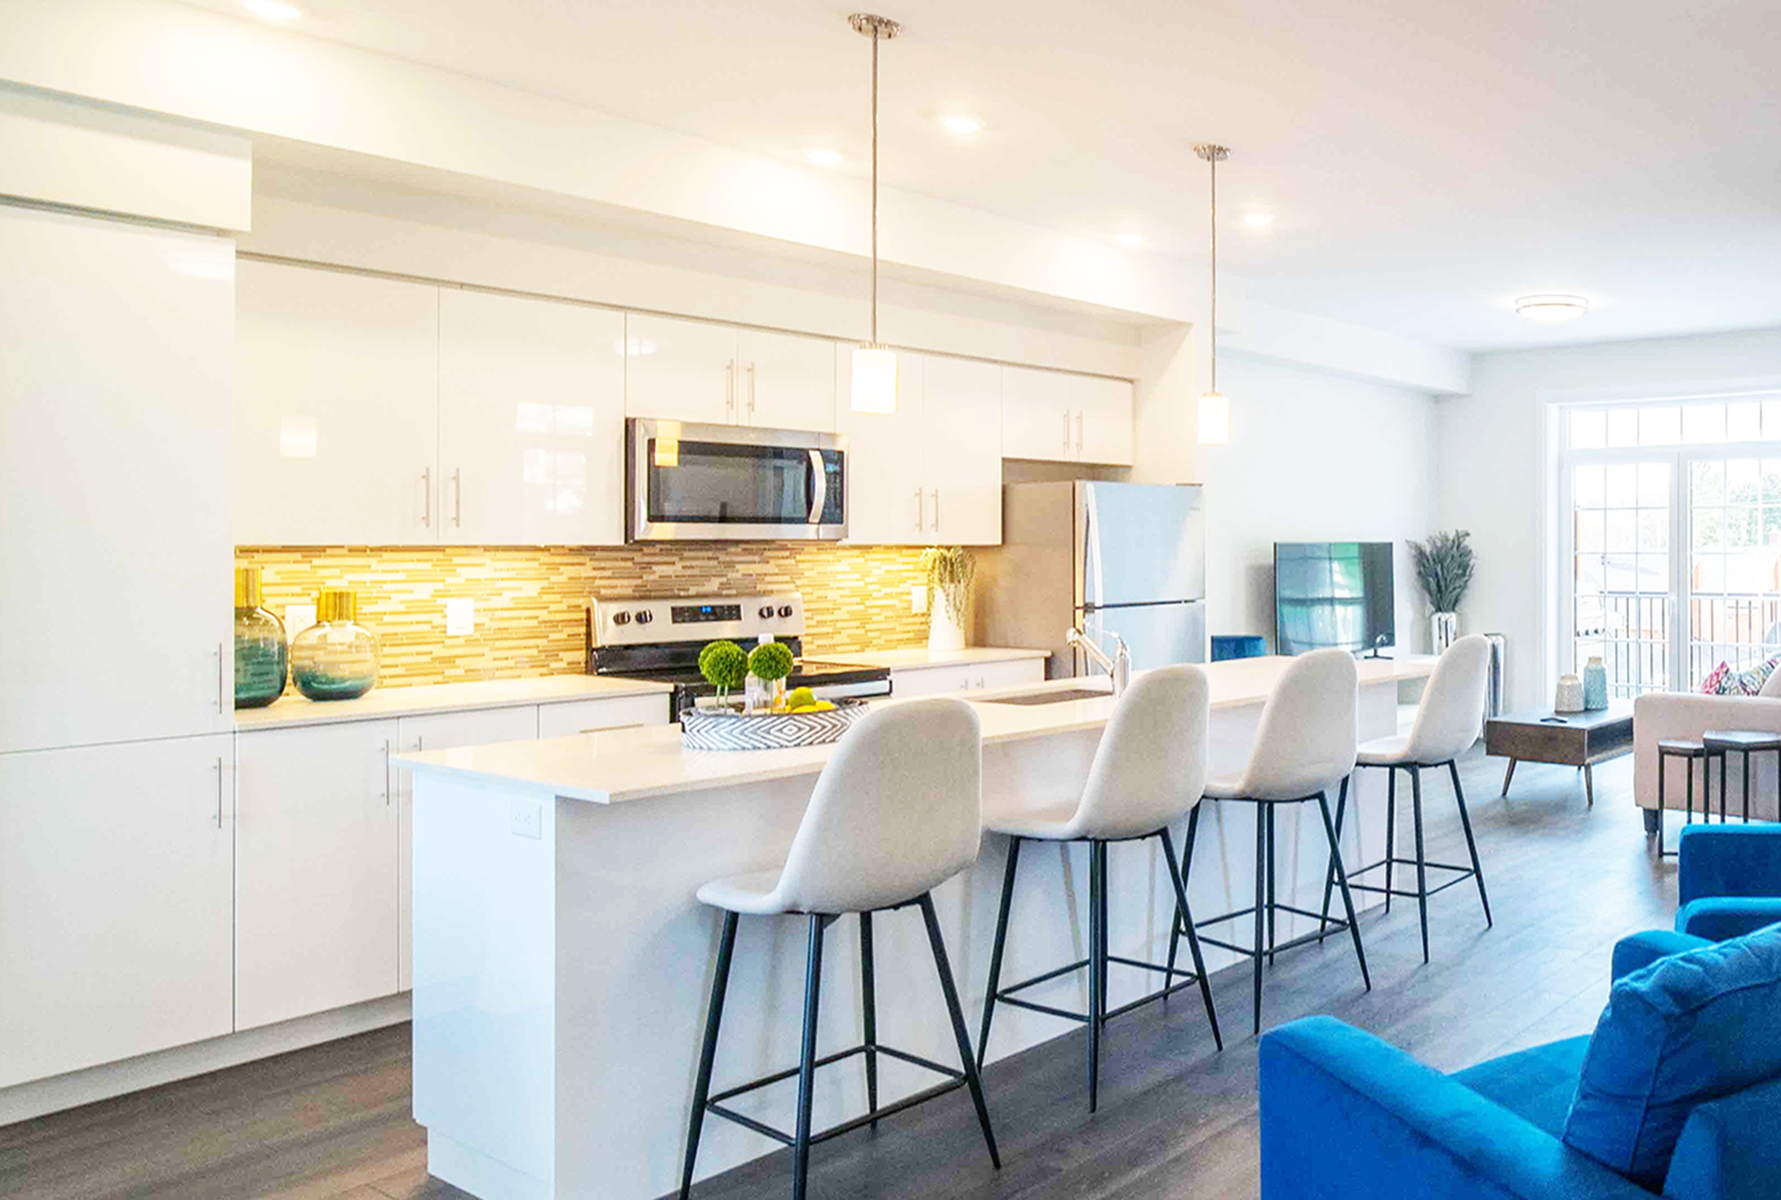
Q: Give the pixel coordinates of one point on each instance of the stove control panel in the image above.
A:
(634, 622)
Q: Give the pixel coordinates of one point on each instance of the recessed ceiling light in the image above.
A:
(962, 124)
(272, 10)
(1131, 240)
(1551, 306)
(1258, 219)
(824, 158)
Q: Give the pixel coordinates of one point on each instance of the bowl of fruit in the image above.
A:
(772, 718)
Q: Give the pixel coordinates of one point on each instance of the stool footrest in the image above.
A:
(954, 1079)
(1006, 995)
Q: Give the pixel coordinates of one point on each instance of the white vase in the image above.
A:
(945, 632)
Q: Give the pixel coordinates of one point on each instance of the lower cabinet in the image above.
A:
(316, 870)
(935, 681)
(115, 869)
(586, 716)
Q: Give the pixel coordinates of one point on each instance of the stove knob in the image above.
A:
(644, 616)
(621, 618)
(785, 610)
(766, 611)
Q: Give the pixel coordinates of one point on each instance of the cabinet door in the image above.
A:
(1038, 415)
(336, 409)
(930, 681)
(584, 716)
(115, 346)
(315, 870)
(439, 731)
(531, 422)
(961, 424)
(886, 502)
(115, 911)
(681, 370)
(787, 382)
(1103, 419)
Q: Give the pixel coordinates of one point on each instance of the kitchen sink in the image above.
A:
(1059, 697)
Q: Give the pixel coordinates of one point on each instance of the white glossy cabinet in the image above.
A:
(931, 471)
(718, 374)
(115, 356)
(585, 716)
(115, 914)
(439, 731)
(934, 681)
(336, 408)
(316, 870)
(1103, 419)
(1055, 417)
(531, 422)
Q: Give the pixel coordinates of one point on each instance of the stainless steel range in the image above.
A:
(660, 640)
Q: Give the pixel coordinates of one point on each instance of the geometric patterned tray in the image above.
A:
(726, 729)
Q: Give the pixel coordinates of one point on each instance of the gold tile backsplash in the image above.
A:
(530, 600)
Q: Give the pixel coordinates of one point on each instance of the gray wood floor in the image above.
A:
(1176, 1119)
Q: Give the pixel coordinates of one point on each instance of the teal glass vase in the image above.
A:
(336, 658)
(261, 653)
(1595, 684)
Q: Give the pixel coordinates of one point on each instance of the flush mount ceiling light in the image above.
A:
(874, 367)
(1551, 306)
(1215, 409)
(961, 124)
(824, 158)
(272, 10)
(1258, 219)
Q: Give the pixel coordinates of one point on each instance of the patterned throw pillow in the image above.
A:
(1713, 684)
(1748, 683)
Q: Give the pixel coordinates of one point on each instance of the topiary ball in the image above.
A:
(770, 661)
(724, 665)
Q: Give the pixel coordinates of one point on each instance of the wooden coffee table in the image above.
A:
(1569, 739)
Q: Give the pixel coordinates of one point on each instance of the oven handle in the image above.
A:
(865, 687)
(816, 488)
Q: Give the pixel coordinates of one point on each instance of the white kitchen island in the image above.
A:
(562, 966)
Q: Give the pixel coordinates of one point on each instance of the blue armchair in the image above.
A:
(1729, 883)
(1344, 1114)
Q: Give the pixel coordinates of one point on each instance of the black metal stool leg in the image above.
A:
(807, 1062)
(1261, 886)
(1106, 938)
(995, 957)
(869, 1012)
(1465, 820)
(720, 983)
(1329, 875)
(1187, 862)
(1391, 829)
(1329, 830)
(1179, 879)
(1096, 1001)
(1273, 888)
(1422, 874)
(950, 989)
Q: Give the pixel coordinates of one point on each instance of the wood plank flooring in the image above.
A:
(1176, 1118)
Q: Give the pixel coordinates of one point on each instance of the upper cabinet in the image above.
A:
(531, 421)
(336, 408)
(719, 374)
(1052, 416)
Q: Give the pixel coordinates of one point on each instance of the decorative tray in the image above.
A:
(729, 729)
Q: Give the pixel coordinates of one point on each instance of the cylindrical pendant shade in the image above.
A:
(874, 380)
(1215, 419)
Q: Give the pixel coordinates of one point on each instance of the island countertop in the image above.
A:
(621, 765)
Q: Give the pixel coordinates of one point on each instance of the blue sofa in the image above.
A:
(1680, 1086)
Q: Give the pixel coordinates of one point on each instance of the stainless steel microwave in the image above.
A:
(688, 482)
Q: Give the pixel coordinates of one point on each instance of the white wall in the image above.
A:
(1313, 457)
(1496, 474)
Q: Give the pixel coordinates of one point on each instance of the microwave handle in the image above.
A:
(816, 488)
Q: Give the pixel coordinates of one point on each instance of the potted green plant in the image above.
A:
(724, 666)
(950, 570)
(770, 663)
(1444, 566)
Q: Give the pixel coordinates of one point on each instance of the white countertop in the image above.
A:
(913, 658)
(619, 765)
(293, 708)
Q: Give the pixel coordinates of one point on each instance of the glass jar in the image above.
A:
(261, 654)
(336, 658)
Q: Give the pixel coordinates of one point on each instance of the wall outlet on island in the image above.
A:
(918, 597)
(527, 819)
(460, 616)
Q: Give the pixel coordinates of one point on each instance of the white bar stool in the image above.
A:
(1148, 770)
(1305, 747)
(896, 812)
(1447, 724)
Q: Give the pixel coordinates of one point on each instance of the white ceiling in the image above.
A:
(1425, 162)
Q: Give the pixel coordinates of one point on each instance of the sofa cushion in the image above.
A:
(1714, 683)
(1772, 688)
(1536, 1085)
(1689, 1028)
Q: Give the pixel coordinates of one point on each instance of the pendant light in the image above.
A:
(874, 366)
(1215, 409)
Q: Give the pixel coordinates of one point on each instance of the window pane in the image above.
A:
(1589, 583)
(1590, 533)
(1654, 580)
(1622, 573)
(1743, 422)
(1654, 527)
(1662, 426)
(1740, 527)
(1703, 423)
(1623, 427)
(1771, 420)
(1709, 483)
(1623, 485)
(1654, 485)
(1587, 484)
(1709, 527)
(1709, 573)
(1623, 529)
(1742, 480)
(1589, 430)
(1771, 528)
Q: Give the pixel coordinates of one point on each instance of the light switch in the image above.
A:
(918, 597)
(460, 616)
(297, 618)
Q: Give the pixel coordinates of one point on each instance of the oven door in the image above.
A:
(732, 482)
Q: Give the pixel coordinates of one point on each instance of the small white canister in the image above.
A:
(1570, 695)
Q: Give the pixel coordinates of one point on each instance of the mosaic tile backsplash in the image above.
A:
(530, 601)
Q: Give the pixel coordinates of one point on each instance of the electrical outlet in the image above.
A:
(918, 597)
(460, 616)
(297, 618)
(527, 819)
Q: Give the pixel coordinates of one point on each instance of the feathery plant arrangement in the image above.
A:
(950, 570)
(1444, 566)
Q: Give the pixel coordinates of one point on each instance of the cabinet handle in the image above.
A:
(223, 699)
(751, 389)
(386, 772)
(427, 500)
(1066, 431)
(936, 510)
(730, 388)
(920, 518)
(219, 791)
(1079, 431)
(457, 498)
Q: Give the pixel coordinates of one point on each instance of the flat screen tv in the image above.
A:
(1333, 594)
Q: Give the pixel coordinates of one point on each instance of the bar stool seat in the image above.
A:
(1051, 823)
(1387, 751)
(754, 894)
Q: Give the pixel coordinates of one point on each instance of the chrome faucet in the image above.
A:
(1119, 667)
